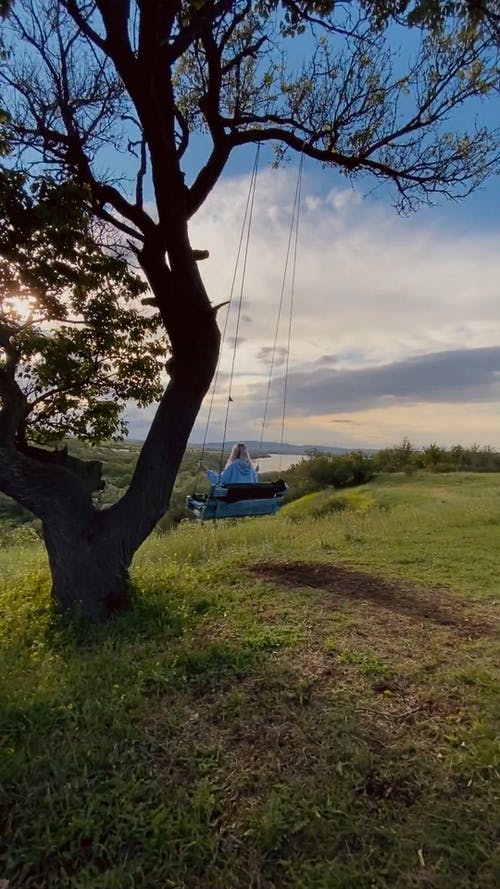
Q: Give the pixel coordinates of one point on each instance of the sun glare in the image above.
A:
(20, 308)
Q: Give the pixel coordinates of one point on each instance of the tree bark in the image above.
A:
(90, 554)
(194, 358)
(195, 338)
(89, 570)
(87, 561)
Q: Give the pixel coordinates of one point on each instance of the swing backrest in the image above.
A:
(259, 491)
(237, 501)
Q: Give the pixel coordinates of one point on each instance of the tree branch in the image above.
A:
(210, 106)
(208, 175)
(83, 24)
(13, 399)
(42, 487)
(139, 186)
(184, 132)
(202, 17)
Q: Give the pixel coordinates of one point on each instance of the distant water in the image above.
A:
(275, 462)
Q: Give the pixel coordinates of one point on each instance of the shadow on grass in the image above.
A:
(214, 766)
(342, 582)
(148, 618)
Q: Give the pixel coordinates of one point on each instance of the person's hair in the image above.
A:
(239, 452)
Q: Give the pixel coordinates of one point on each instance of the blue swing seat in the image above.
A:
(237, 501)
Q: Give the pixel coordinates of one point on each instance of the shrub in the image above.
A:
(400, 458)
(406, 458)
(328, 471)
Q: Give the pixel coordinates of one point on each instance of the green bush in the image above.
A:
(405, 457)
(328, 471)
(401, 458)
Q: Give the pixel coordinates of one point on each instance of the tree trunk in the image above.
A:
(90, 551)
(88, 562)
(89, 571)
(195, 338)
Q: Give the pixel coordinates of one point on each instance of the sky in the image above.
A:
(396, 323)
(396, 320)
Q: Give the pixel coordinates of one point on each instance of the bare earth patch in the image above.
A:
(341, 582)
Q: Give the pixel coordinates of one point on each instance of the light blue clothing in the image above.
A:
(238, 473)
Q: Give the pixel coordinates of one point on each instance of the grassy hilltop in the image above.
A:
(303, 702)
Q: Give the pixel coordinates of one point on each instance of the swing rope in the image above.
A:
(245, 228)
(292, 239)
(240, 304)
(292, 300)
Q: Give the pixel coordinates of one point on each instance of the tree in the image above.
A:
(75, 346)
(400, 458)
(434, 456)
(145, 76)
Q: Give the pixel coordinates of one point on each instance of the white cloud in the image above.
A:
(372, 289)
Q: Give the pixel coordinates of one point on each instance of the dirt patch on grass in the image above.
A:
(343, 582)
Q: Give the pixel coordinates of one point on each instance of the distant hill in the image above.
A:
(275, 447)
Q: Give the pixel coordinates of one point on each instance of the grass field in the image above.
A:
(305, 701)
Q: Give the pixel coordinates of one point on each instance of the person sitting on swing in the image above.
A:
(239, 469)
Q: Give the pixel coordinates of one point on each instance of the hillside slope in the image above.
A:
(293, 703)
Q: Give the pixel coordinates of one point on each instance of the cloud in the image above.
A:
(370, 286)
(455, 376)
(328, 360)
(392, 316)
(268, 355)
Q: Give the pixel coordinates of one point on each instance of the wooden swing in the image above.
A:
(237, 501)
(263, 498)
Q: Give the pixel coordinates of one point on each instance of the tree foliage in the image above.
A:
(434, 15)
(74, 338)
(90, 72)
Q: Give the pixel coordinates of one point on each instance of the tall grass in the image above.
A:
(327, 722)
